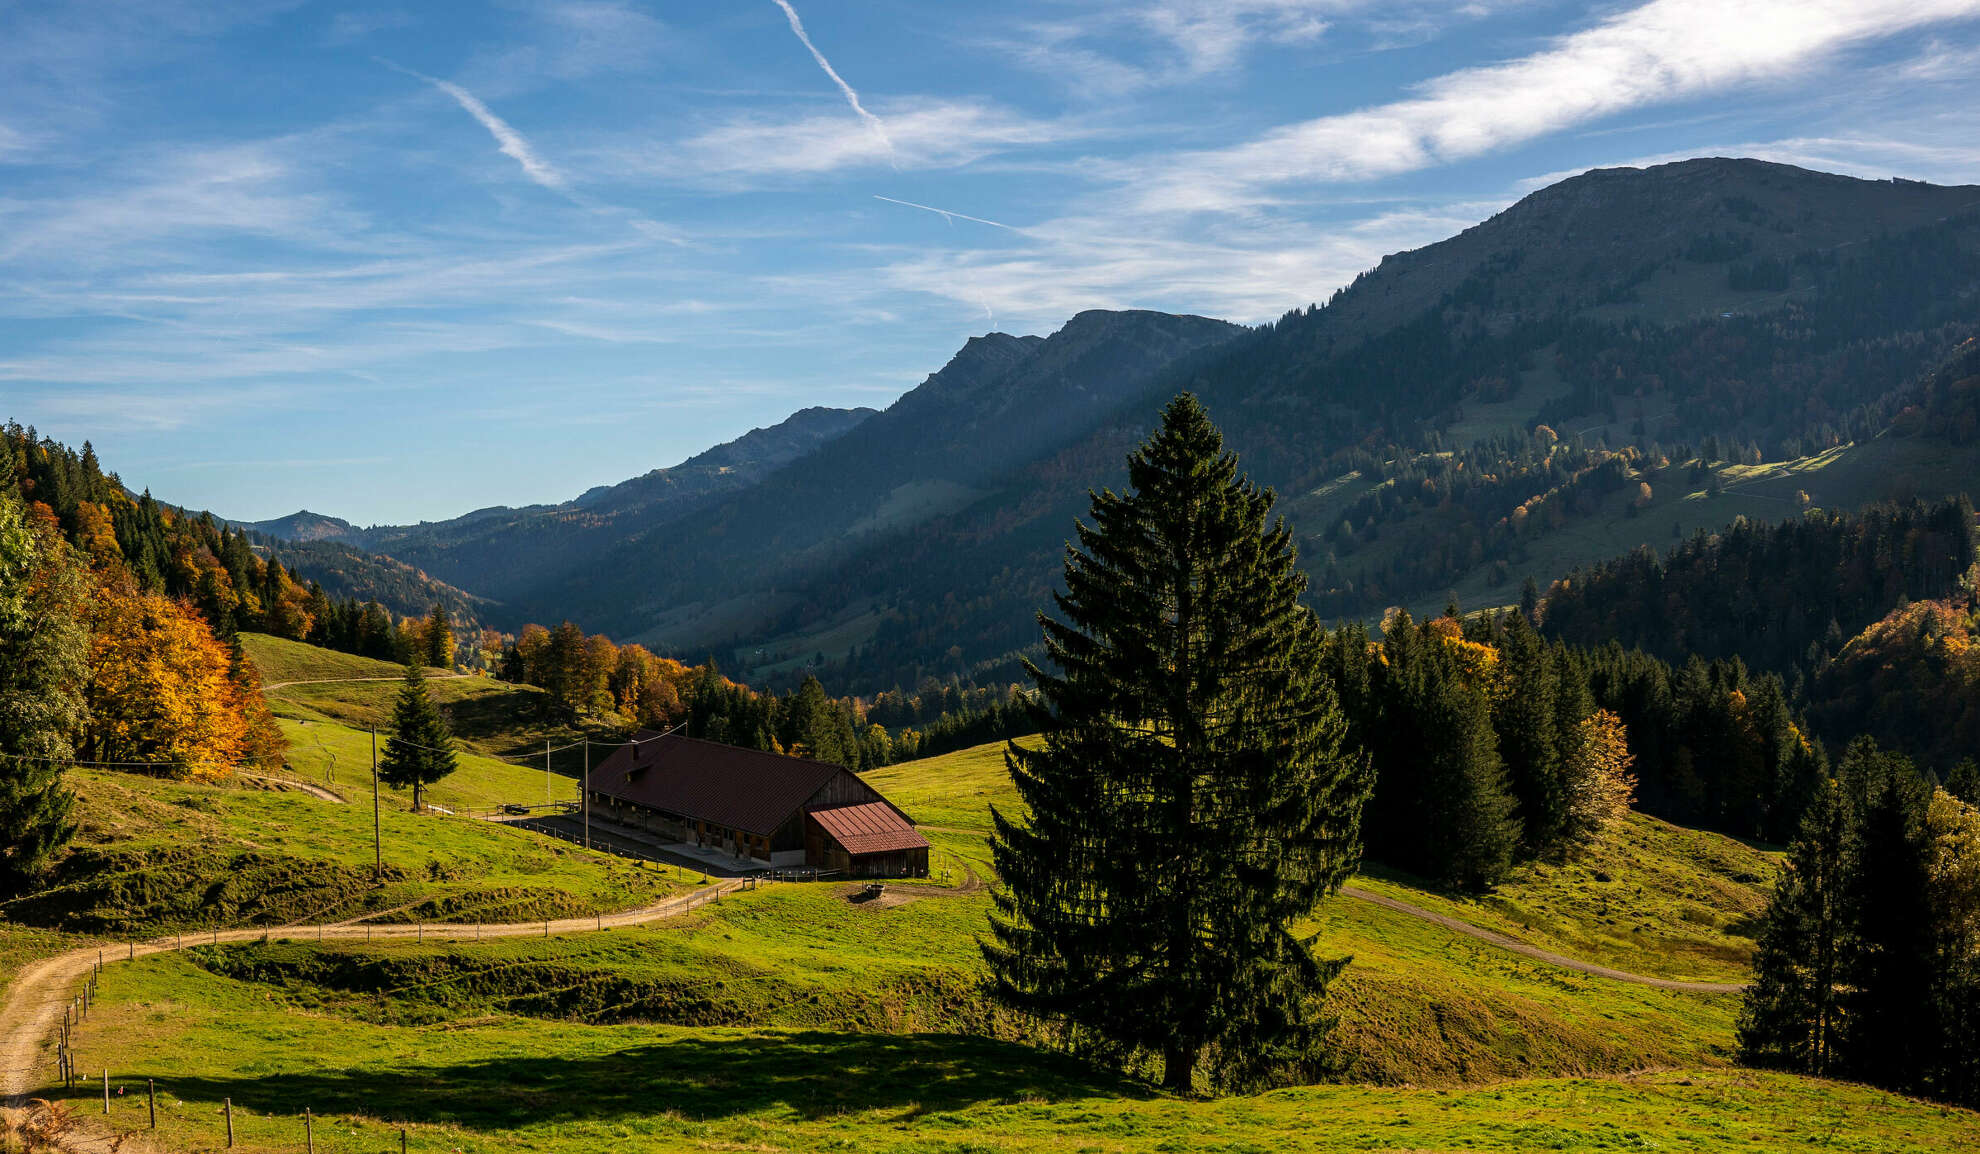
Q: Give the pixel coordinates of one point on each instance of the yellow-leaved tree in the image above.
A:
(1599, 782)
(163, 689)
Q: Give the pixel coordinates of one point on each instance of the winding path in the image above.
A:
(35, 1001)
(315, 791)
(1553, 959)
(268, 685)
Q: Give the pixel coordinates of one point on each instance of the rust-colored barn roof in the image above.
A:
(874, 827)
(742, 789)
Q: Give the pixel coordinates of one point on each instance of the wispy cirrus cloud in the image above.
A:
(1663, 51)
(926, 134)
(507, 140)
(1112, 49)
(871, 121)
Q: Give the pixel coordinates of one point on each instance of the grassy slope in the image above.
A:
(499, 726)
(1652, 898)
(788, 1019)
(281, 660)
(339, 757)
(498, 1082)
(155, 855)
(487, 716)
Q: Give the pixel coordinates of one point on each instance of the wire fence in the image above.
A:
(69, 1072)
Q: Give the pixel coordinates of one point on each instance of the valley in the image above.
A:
(1525, 702)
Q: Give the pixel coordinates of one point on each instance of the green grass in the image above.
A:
(506, 1082)
(155, 855)
(1420, 1004)
(1650, 898)
(22, 945)
(490, 720)
(280, 660)
(954, 790)
(339, 758)
(795, 1018)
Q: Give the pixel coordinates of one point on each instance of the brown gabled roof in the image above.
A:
(875, 827)
(742, 789)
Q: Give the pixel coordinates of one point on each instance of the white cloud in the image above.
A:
(1247, 272)
(248, 188)
(349, 27)
(926, 134)
(1186, 40)
(507, 139)
(872, 122)
(1212, 35)
(1662, 51)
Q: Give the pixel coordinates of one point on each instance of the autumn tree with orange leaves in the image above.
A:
(163, 690)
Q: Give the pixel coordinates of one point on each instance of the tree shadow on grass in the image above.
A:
(810, 1075)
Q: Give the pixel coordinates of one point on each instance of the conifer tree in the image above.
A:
(1530, 738)
(421, 748)
(1890, 1028)
(1190, 795)
(1441, 805)
(44, 647)
(439, 638)
(1792, 1016)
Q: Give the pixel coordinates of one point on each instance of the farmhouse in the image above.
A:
(759, 807)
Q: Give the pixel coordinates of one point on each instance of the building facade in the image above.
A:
(761, 808)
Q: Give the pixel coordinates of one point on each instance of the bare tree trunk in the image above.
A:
(1178, 1067)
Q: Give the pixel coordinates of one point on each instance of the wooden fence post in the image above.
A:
(402, 1140)
(151, 1100)
(106, 1089)
(309, 1133)
(227, 1107)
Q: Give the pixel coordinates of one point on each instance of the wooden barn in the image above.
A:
(762, 807)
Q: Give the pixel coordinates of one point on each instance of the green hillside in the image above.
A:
(153, 856)
(1652, 898)
(327, 702)
(282, 662)
(504, 1082)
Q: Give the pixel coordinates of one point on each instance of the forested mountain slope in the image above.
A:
(1001, 401)
(1622, 359)
(499, 552)
(1626, 356)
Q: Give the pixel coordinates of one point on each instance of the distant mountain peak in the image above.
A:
(302, 525)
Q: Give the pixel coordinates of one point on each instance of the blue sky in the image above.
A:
(399, 262)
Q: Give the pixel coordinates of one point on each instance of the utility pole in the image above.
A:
(584, 793)
(377, 842)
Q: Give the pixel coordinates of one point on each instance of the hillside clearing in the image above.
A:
(156, 855)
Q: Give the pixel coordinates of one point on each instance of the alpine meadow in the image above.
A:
(588, 575)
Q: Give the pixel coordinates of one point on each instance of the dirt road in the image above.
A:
(1497, 939)
(33, 1010)
(1535, 952)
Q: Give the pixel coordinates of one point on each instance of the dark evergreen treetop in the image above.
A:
(421, 748)
(1190, 797)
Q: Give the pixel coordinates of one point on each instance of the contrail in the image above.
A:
(952, 217)
(508, 139)
(852, 98)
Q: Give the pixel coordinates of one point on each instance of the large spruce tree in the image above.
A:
(421, 748)
(1792, 1015)
(1189, 797)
